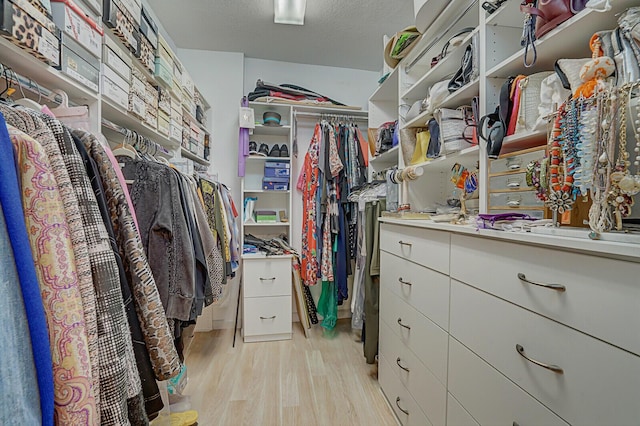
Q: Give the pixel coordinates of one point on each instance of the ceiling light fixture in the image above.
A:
(289, 11)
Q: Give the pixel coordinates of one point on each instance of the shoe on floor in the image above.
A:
(185, 418)
(275, 151)
(253, 148)
(263, 150)
(284, 150)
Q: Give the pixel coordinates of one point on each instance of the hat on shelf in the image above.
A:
(271, 118)
(400, 45)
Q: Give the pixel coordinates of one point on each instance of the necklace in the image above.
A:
(560, 198)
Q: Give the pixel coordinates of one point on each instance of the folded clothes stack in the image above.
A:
(290, 93)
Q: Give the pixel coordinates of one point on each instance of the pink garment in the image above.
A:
(121, 178)
(514, 111)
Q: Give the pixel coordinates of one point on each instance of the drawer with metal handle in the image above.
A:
(562, 368)
(267, 316)
(506, 183)
(595, 295)
(425, 247)
(514, 200)
(515, 162)
(267, 277)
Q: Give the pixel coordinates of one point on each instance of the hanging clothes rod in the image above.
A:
(10, 77)
(436, 39)
(140, 142)
(345, 117)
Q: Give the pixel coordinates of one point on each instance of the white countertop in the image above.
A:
(578, 242)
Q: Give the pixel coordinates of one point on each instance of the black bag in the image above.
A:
(433, 150)
(492, 128)
(464, 73)
(385, 137)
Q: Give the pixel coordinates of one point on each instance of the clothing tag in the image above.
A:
(121, 165)
(129, 181)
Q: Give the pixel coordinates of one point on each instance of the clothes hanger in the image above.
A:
(29, 103)
(126, 150)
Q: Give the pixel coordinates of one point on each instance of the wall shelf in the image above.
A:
(190, 155)
(261, 158)
(386, 159)
(388, 89)
(445, 162)
(266, 224)
(270, 130)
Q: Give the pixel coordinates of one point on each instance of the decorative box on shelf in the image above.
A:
(77, 25)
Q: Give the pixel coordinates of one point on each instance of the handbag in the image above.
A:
(455, 134)
(437, 94)
(468, 70)
(454, 41)
(492, 128)
(422, 139)
(530, 88)
(433, 151)
(416, 109)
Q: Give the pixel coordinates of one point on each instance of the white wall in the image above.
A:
(218, 76)
(349, 86)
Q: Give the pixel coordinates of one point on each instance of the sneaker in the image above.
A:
(253, 148)
(275, 151)
(264, 150)
(284, 150)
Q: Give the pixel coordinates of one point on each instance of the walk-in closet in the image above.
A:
(288, 212)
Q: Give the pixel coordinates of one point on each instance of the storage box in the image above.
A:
(151, 95)
(162, 73)
(115, 87)
(79, 64)
(273, 172)
(275, 184)
(13, 20)
(149, 28)
(164, 125)
(74, 23)
(94, 5)
(89, 11)
(121, 25)
(187, 84)
(276, 165)
(165, 53)
(138, 86)
(164, 100)
(133, 8)
(146, 54)
(36, 11)
(116, 62)
(151, 119)
(137, 106)
(176, 130)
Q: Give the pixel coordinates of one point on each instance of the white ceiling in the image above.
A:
(338, 33)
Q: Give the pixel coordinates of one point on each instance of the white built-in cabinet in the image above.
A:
(495, 328)
(500, 56)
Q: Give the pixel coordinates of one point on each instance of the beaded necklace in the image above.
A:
(562, 151)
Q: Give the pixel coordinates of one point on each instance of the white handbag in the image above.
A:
(552, 93)
(529, 101)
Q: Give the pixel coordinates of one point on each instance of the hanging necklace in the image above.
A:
(560, 197)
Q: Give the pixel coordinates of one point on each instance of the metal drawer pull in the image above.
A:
(268, 318)
(401, 366)
(268, 279)
(556, 287)
(404, 243)
(401, 281)
(551, 367)
(402, 325)
(400, 408)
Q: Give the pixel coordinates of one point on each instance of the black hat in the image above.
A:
(271, 118)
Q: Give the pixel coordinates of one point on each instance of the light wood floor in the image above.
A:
(323, 380)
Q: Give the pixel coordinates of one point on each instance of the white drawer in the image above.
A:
(423, 246)
(491, 398)
(457, 415)
(267, 315)
(515, 163)
(405, 407)
(423, 386)
(267, 277)
(425, 339)
(514, 199)
(423, 288)
(599, 383)
(601, 296)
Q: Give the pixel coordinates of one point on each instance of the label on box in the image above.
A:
(120, 66)
(138, 86)
(49, 47)
(137, 106)
(272, 172)
(276, 165)
(114, 92)
(164, 126)
(72, 70)
(82, 32)
(115, 78)
(176, 131)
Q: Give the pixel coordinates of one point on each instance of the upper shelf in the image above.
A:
(387, 91)
(444, 69)
(444, 163)
(190, 155)
(126, 120)
(24, 64)
(386, 159)
(271, 130)
(569, 40)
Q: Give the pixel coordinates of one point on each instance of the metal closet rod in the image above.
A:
(436, 39)
(10, 76)
(127, 133)
(338, 116)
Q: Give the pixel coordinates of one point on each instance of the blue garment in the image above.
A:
(21, 405)
(10, 197)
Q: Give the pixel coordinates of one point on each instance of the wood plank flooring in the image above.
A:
(323, 380)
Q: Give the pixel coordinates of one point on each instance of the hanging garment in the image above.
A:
(149, 307)
(308, 184)
(373, 210)
(243, 144)
(357, 301)
(21, 405)
(10, 200)
(164, 232)
(52, 251)
(152, 399)
(215, 223)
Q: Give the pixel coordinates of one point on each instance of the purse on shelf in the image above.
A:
(455, 133)
(468, 70)
(416, 109)
(422, 138)
(492, 128)
(437, 94)
(542, 16)
(433, 151)
(454, 41)
(530, 88)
